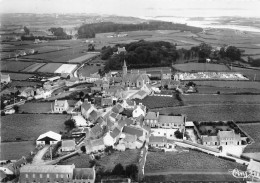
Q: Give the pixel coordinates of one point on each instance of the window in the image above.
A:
(68, 175)
(57, 175)
(33, 175)
(26, 175)
(164, 134)
(61, 176)
(40, 175)
(48, 175)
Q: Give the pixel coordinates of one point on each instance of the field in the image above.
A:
(19, 76)
(39, 107)
(217, 112)
(24, 84)
(33, 67)
(50, 67)
(30, 126)
(220, 99)
(187, 161)
(152, 102)
(89, 69)
(214, 90)
(108, 162)
(14, 66)
(15, 150)
(188, 67)
(230, 84)
(253, 130)
(249, 73)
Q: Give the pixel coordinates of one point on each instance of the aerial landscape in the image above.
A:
(95, 91)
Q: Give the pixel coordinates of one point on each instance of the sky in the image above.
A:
(137, 8)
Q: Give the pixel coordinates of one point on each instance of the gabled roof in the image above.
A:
(118, 108)
(228, 134)
(47, 169)
(50, 134)
(157, 139)
(86, 105)
(130, 138)
(97, 142)
(171, 119)
(254, 165)
(129, 121)
(79, 120)
(68, 143)
(143, 107)
(5, 76)
(83, 173)
(96, 129)
(60, 103)
(115, 133)
(151, 115)
(141, 93)
(93, 115)
(210, 139)
(130, 102)
(133, 131)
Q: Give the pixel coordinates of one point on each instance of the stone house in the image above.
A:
(60, 106)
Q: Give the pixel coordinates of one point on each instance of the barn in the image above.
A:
(48, 138)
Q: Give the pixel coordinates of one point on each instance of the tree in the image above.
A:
(83, 149)
(2, 105)
(16, 108)
(178, 134)
(81, 94)
(91, 47)
(131, 171)
(70, 123)
(26, 30)
(233, 53)
(204, 50)
(118, 170)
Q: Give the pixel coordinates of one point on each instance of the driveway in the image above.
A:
(38, 157)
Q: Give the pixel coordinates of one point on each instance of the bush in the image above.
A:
(83, 149)
(118, 170)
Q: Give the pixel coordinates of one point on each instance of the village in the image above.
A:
(112, 117)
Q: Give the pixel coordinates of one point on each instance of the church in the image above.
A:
(134, 78)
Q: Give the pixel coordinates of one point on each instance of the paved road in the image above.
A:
(38, 157)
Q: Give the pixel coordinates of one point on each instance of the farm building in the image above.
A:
(46, 173)
(60, 106)
(86, 109)
(79, 121)
(5, 78)
(135, 131)
(151, 118)
(68, 145)
(139, 110)
(87, 175)
(141, 94)
(107, 101)
(177, 121)
(161, 142)
(48, 138)
(94, 145)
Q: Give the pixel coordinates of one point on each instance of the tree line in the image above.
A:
(90, 30)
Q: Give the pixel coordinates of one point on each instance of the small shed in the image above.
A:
(48, 138)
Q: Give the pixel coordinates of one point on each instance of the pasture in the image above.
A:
(187, 161)
(191, 67)
(152, 102)
(15, 150)
(214, 90)
(30, 126)
(252, 74)
(216, 112)
(33, 67)
(14, 66)
(50, 67)
(19, 76)
(36, 107)
(230, 84)
(86, 70)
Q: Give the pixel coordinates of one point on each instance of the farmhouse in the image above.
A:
(107, 101)
(141, 94)
(68, 145)
(5, 78)
(135, 131)
(48, 138)
(46, 173)
(163, 132)
(161, 142)
(87, 175)
(60, 106)
(26, 92)
(86, 109)
(94, 145)
(151, 119)
(177, 122)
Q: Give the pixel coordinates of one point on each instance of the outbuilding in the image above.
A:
(48, 138)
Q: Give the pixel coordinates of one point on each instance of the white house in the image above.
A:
(139, 110)
(163, 132)
(60, 106)
(5, 78)
(48, 138)
(111, 137)
(128, 104)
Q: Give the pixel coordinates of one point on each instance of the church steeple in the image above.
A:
(124, 68)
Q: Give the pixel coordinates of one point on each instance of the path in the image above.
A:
(185, 172)
(38, 157)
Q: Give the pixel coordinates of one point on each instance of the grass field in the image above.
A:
(50, 67)
(220, 99)
(80, 161)
(24, 84)
(230, 84)
(33, 107)
(89, 69)
(216, 112)
(30, 126)
(14, 66)
(252, 129)
(187, 161)
(188, 67)
(249, 73)
(18, 76)
(15, 150)
(33, 67)
(214, 90)
(152, 102)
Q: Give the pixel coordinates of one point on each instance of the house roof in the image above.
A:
(79, 120)
(115, 133)
(228, 134)
(50, 134)
(134, 77)
(97, 142)
(68, 143)
(47, 169)
(121, 124)
(60, 103)
(171, 119)
(143, 107)
(86, 105)
(254, 165)
(5, 76)
(118, 108)
(157, 139)
(141, 93)
(96, 129)
(93, 115)
(129, 121)
(107, 101)
(210, 139)
(151, 115)
(133, 131)
(130, 102)
(83, 173)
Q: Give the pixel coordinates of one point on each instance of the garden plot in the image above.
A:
(66, 68)
(188, 67)
(50, 67)
(14, 66)
(18, 76)
(34, 67)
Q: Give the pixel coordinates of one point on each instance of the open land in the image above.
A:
(191, 161)
(36, 107)
(30, 125)
(152, 102)
(191, 67)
